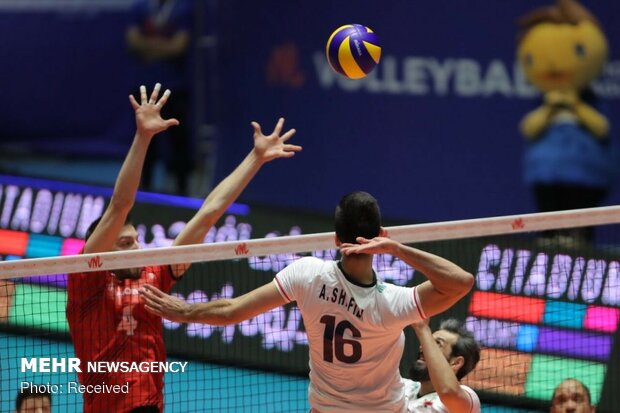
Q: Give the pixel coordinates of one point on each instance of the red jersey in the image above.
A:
(108, 322)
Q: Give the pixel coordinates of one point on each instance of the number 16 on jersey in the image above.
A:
(335, 344)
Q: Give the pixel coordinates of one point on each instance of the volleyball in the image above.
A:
(353, 50)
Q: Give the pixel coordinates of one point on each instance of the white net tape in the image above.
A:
(306, 243)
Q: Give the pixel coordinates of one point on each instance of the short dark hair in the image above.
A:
(357, 215)
(466, 346)
(585, 388)
(93, 225)
(27, 393)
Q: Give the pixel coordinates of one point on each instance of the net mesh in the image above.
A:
(545, 306)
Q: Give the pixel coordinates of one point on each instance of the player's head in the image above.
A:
(572, 396)
(458, 346)
(29, 401)
(126, 240)
(357, 215)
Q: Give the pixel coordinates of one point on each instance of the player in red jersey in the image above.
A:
(107, 319)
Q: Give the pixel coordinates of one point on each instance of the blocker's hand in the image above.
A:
(164, 305)
(148, 112)
(273, 146)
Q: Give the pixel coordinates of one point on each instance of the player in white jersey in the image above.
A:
(354, 322)
(446, 356)
(354, 334)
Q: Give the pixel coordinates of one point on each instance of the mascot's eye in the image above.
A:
(580, 50)
(528, 59)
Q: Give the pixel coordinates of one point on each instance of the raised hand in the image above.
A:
(377, 245)
(273, 146)
(148, 112)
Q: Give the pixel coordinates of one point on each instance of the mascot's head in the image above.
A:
(561, 47)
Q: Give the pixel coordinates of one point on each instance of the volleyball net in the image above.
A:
(545, 306)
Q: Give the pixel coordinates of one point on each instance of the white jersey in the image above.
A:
(430, 403)
(355, 334)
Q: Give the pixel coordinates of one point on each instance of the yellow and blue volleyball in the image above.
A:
(353, 50)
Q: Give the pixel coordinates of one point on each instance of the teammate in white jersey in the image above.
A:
(354, 322)
(446, 356)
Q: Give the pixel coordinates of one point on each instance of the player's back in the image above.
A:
(355, 335)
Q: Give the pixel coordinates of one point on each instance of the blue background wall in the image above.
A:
(429, 149)
(65, 78)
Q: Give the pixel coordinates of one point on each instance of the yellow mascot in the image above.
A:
(568, 158)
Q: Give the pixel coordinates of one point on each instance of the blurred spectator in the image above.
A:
(159, 37)
(29, 401)
(572, 396)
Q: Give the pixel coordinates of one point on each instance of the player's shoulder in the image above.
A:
(309, 268)
(475, 400)
(309, 259)
(86, 285)
(389, 289)
(469, 390)
(311, 262)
